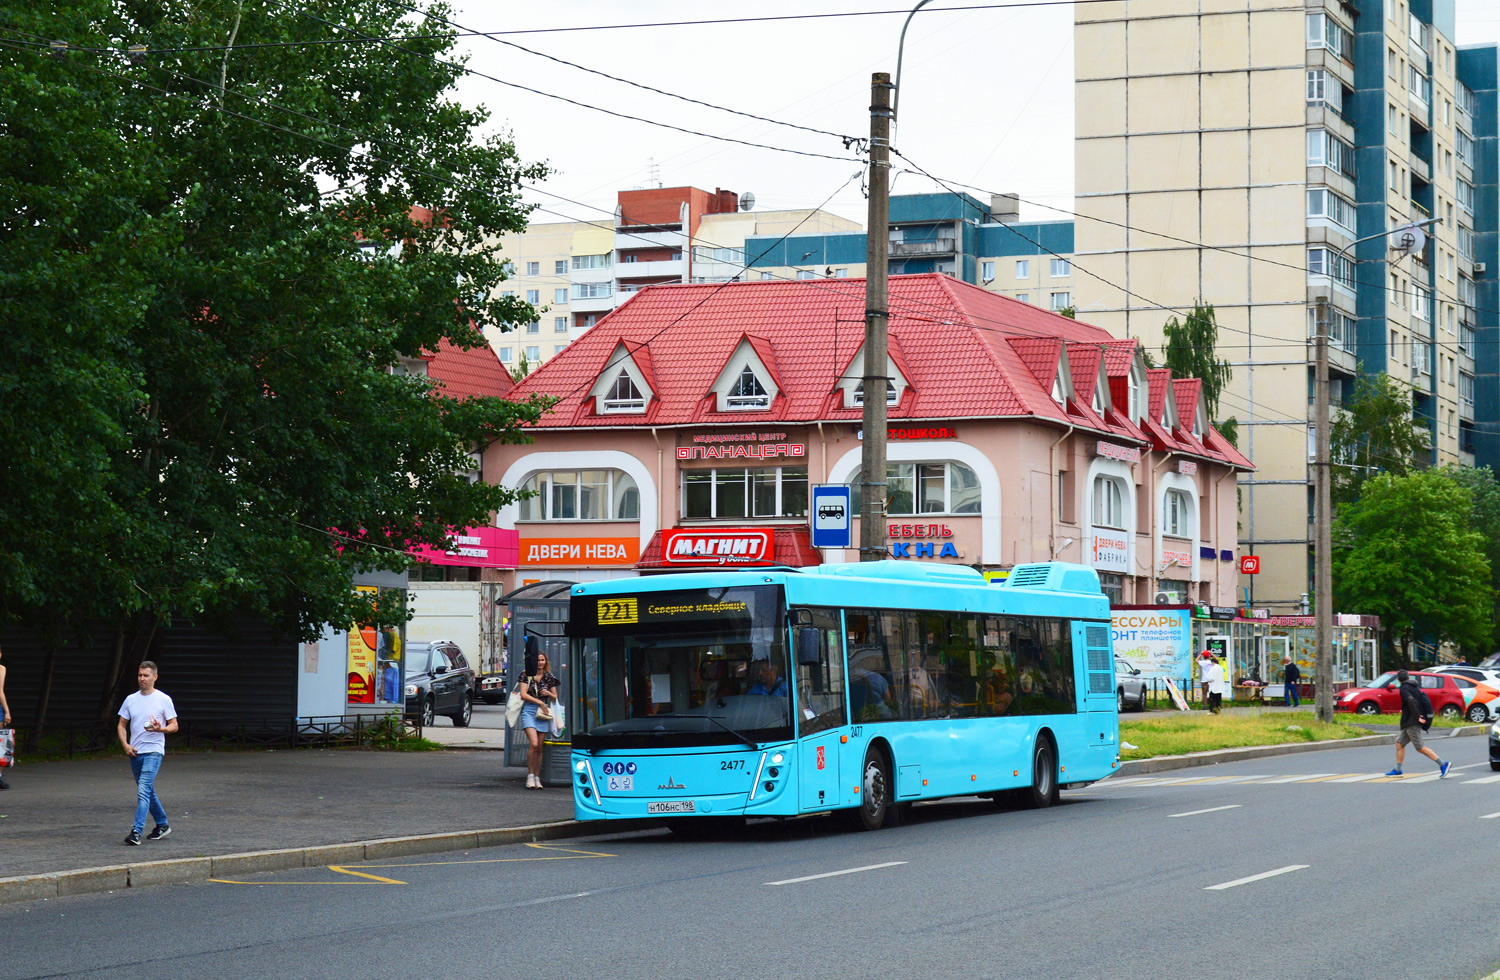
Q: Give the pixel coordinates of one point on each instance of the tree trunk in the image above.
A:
(111, 676)
(39, 718)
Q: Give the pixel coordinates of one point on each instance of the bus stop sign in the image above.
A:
(831, 523)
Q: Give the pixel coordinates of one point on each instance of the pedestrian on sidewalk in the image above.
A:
(1416, 718)
(1213, 682)
(146, 717)
(4, 717)
(538, 689)
(1291, 674)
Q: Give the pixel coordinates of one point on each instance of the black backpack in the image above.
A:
(1425, 704)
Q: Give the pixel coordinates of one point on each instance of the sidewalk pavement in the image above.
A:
(63, 815)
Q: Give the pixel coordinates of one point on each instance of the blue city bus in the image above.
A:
(855, 687)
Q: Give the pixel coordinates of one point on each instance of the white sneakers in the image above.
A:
(533, 782)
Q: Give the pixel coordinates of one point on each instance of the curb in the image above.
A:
(1166, 763)
(57, 884)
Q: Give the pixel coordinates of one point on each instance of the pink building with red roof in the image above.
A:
(1016, 435)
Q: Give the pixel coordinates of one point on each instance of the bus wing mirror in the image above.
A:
(809, 650)
(801, 617)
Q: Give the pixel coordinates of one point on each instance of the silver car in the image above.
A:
(1130, 686)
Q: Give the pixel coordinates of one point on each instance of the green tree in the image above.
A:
(1374, 434)
(215, 288)
(1190, 350)
(1484, 490)
(1408, 552)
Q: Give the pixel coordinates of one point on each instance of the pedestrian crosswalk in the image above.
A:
(1411, 777)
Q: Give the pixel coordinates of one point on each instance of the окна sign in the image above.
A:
(741, 445)
(721, 546)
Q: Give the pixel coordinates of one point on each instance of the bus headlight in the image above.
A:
(776, 759)
(580, 766)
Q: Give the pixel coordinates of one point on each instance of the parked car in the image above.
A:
(1492, 661)
(1130, 686)
(1382, 697)
(1482, 675)
(492, 688)
(1483, 705)
(439, 681)
(1495, 747)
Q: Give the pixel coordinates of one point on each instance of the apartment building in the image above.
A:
(953, 234)
(575, 272)
(1234, 151)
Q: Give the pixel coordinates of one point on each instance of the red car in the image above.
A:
(1383, 697)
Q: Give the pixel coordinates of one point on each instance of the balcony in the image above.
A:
(646, 238)
(650, 270)
(938, 246)
(593, 304)
(1420, 167)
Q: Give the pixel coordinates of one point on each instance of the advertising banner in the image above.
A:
(583, 552)
(476, 547)
(719, 546)
(1158, 641)
(375, 671)
(1110, 551)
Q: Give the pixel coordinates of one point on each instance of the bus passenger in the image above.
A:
(869, 691)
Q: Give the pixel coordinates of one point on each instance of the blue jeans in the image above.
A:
(1292, 700)
(144, 768)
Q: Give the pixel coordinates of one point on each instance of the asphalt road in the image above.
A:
(1378, 879)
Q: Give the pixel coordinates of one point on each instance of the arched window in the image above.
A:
(580, 495)
(1177, 515)
(925, 488)
(1109, 503)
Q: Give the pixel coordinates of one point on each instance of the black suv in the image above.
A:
(439, 681)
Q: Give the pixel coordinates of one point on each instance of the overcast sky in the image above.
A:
(987, 96)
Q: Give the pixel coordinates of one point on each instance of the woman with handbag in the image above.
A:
(538, 690)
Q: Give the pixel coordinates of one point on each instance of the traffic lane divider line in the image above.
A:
(1212, 809)
(1260, 877)
(835, 874)
(1481, 780)
(1490, 816)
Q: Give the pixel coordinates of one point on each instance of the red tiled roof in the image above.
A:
(460, 373)
(966, 352)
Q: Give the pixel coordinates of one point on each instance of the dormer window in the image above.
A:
(624, 386)
(1098, 403)
(624, 396)
(748, 392)
(1057, 391)
(747, 381)
(1137, 393)
(891, 395)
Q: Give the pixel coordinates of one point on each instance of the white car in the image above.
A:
(1483, 675)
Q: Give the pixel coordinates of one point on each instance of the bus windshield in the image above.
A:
(686, 667)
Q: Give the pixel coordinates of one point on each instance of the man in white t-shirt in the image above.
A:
(145, 719)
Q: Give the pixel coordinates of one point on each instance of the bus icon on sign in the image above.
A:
(831, 512)
(830, 516)
(1250, 564)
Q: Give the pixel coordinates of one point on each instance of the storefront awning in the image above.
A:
(685, 549)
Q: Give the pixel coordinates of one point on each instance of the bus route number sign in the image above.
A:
(618, 611)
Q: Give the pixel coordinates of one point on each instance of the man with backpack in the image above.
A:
(1416, 718)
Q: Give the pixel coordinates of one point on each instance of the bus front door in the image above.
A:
(820, 707)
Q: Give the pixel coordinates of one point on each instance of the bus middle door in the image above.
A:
(818, 642)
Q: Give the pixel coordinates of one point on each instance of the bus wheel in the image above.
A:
(875, 791)
(1043, 790)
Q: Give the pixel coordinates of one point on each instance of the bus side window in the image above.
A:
(961, 665)
(820, 684)
(871, 697)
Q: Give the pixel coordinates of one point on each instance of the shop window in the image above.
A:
(925, 488)
(580, 495)
(740, 493)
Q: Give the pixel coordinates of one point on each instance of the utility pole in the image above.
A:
(877, 323)
(1323, 513)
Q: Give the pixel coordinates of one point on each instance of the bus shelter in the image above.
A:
(541, 610)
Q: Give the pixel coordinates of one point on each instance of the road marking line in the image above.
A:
(361, 874)
(1358, 779)
(1260, 877)
(1490, 816)
(1482, 779)
(1298, 779)
(1329, 779)
(1212, 809)
(1424, 778)
(835, 874)
(567, 854)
